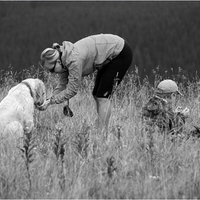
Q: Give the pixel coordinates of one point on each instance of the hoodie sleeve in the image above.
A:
(63, 81)
(74, 79)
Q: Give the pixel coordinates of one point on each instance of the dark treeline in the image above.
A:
(163, 35)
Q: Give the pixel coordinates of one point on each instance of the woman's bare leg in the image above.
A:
(103, 106)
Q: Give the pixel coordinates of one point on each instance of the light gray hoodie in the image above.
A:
(81, 59)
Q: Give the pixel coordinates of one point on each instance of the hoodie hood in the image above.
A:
(67, 56)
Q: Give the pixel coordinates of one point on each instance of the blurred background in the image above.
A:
(165, 36)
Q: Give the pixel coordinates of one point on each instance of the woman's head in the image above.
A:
(51, 60)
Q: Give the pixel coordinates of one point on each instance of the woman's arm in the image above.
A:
(74, 79)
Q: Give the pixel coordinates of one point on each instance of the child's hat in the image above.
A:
(168, 86)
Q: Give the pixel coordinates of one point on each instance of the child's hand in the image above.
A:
(185, 112)
(179, 109)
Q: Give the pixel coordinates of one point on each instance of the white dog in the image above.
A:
(17, 108)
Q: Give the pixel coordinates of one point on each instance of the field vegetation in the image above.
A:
(66, 158)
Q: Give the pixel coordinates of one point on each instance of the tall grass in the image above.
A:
(71, 161)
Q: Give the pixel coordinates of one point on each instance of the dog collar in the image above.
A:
(31, 92)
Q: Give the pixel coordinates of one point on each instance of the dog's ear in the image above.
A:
(38, 90)
(31, 84)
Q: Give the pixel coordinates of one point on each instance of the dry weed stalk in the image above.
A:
(110, 161)
(81, 142)
(118, 134)
(28, 153)
(59, 143)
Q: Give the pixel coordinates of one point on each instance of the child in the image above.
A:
(158, 112)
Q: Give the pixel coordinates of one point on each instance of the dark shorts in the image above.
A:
(112, 73)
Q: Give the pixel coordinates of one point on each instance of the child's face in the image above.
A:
(171, 98)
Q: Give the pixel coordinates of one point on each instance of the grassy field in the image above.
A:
(66, 158)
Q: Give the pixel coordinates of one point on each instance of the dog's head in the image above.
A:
(38, 90)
